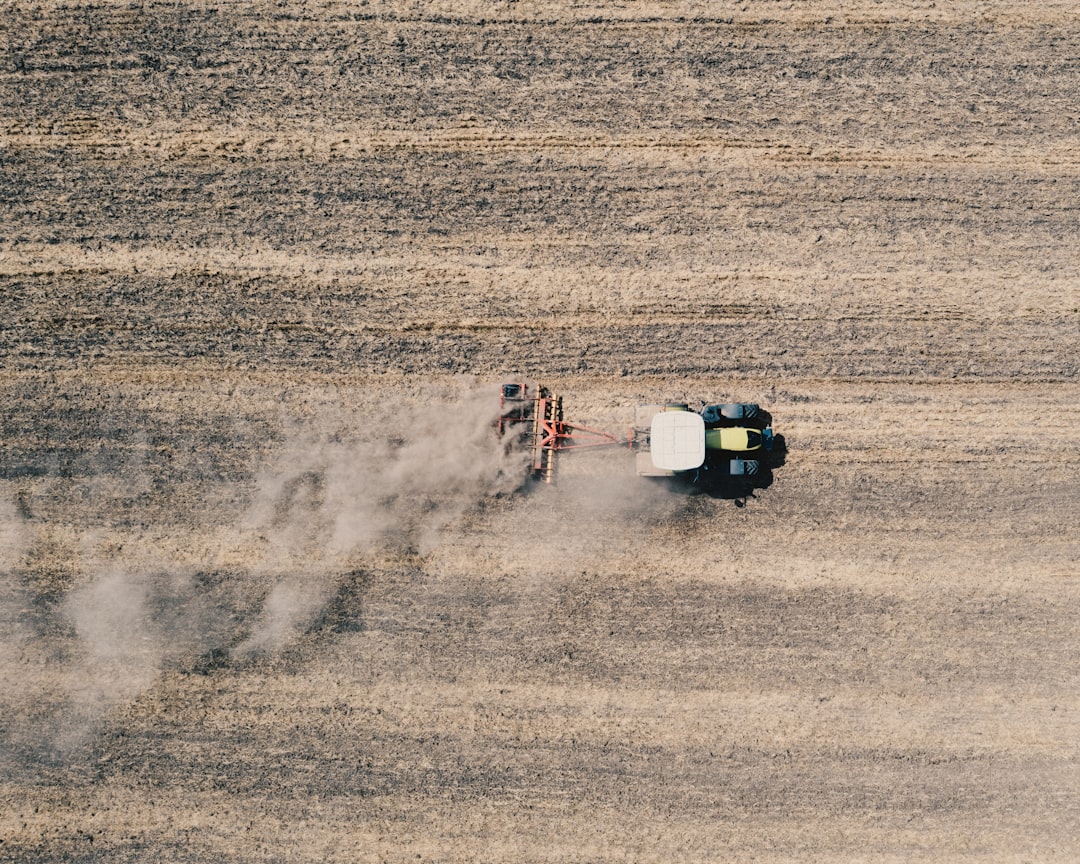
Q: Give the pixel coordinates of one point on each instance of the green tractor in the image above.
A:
(720, 449)
(726, 440)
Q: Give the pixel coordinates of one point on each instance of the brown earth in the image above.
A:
(268, 590)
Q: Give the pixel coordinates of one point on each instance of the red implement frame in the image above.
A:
(550, 433)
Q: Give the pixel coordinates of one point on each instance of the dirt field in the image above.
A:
(269, 591)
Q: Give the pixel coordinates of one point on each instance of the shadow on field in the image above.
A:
(721, 484)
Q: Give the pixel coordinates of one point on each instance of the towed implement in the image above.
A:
(534, 415)
(710, 446)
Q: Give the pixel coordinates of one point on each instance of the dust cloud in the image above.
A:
(330, 503)
(340, 491)
(121, 645)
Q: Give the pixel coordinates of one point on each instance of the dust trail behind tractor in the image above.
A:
(532, 414)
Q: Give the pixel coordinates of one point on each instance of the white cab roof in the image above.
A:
(677, 440)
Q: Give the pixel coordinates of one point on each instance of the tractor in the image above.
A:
(724, 440)
(712, 447)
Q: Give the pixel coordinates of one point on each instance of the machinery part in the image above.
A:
(547, 423)
(729, 412)
(677, 440)
(536, 415)
(734, 438)
(644, 414)
(744, 467)
(645, 467)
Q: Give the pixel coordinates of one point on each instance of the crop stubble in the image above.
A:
(226, 229)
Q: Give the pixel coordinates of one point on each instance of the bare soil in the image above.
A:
(269, 590)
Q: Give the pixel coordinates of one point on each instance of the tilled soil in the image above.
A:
(271, 590)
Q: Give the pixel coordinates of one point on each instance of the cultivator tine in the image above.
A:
(548, 474)
(547, 434)
(538, 435)
(555, 425)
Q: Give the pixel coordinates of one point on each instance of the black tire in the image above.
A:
(731, 414)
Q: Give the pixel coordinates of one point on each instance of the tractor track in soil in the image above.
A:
(250, 256)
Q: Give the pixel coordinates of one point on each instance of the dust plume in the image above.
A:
(120, 649)
(331, 502)
(14, 633)
(344, 488)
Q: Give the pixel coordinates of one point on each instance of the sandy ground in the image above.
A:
(269, 590)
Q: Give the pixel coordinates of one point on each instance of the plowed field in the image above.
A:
(270, 590)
